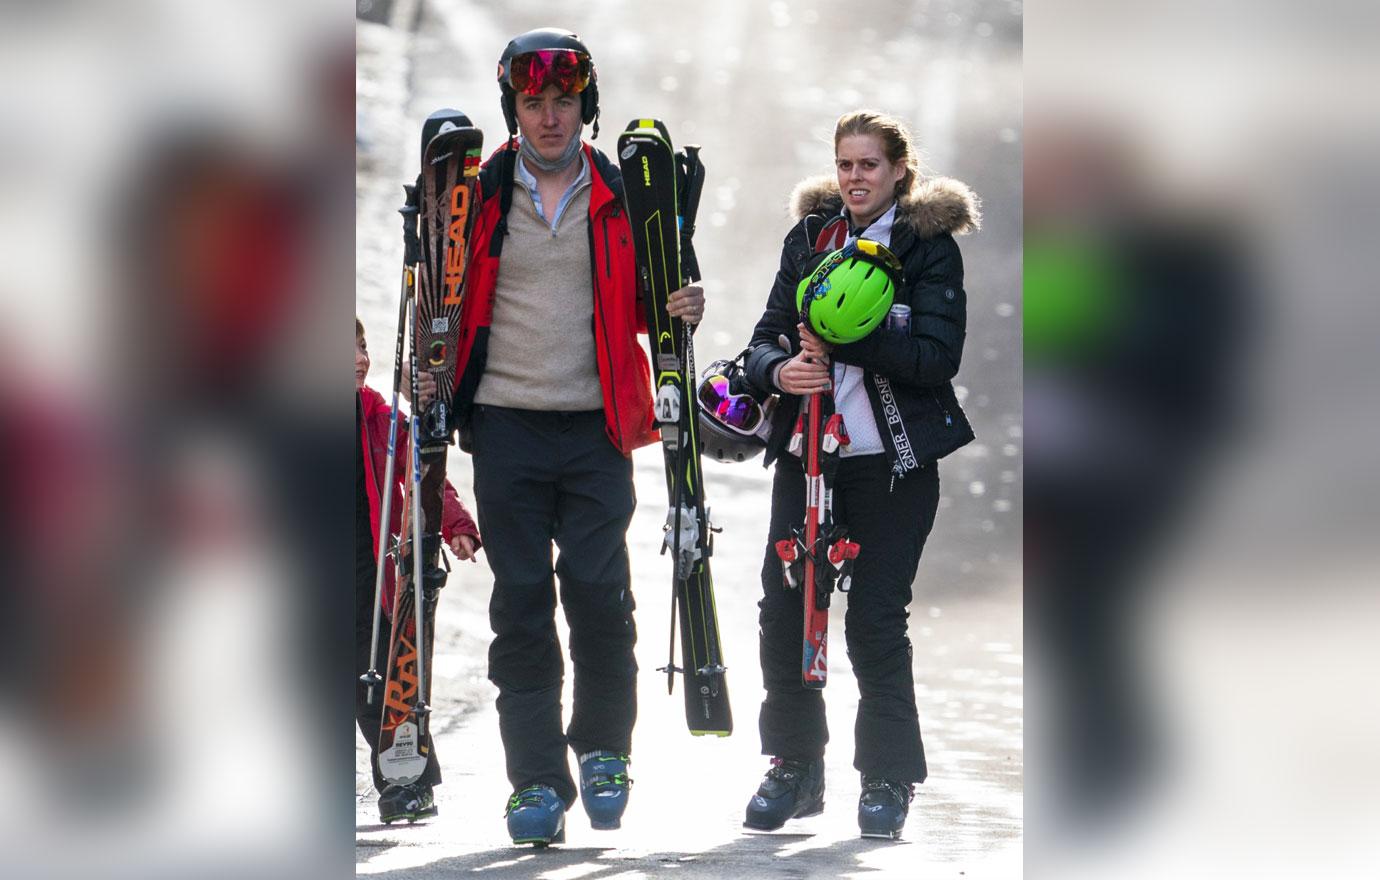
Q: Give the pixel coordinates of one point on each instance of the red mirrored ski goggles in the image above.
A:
(531, 72)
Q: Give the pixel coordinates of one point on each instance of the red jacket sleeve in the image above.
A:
(455, 519)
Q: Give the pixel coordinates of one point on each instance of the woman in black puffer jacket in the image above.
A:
(894, 389)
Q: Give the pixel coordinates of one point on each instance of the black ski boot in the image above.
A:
(883, 806)
(410, 802)
(791, 789)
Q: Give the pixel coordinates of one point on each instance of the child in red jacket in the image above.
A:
(372, 417)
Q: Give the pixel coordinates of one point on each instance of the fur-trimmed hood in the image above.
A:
(932, 207)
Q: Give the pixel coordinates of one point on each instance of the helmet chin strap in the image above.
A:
(532, 158)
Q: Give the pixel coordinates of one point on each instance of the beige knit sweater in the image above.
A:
(541, 342)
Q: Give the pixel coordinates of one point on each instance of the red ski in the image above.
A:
(819, 556)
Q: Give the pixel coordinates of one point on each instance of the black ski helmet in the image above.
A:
(535, 41)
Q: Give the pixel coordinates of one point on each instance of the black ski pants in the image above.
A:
(369, 716)
(542, 478)
(890, 522)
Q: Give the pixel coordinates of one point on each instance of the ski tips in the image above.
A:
(641, 125)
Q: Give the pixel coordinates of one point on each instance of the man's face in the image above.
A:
(548, 121)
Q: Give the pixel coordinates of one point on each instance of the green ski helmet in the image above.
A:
(850, 292)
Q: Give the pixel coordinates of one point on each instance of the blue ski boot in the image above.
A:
(883, 806)
(791, 789)
(604, 785)
(536, 815)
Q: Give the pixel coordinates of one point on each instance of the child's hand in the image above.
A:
(463, 548)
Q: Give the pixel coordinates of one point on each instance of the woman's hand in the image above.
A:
(808, 371)
(802, 375)
(812, 346)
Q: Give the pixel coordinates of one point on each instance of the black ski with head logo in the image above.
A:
(661, 189)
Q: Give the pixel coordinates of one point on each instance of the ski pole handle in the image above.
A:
(412, 244)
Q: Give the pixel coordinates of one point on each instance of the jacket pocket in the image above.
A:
(948, 419)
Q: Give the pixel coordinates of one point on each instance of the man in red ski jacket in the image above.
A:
(553, 393)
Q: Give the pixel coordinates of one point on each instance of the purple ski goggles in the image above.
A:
(737, 411)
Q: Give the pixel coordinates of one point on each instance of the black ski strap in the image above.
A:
(689, 183)
(507, 168)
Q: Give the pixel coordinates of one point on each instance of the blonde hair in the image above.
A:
(893, 135)
(359, 329)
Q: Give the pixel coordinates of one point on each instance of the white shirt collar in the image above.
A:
(878, 230)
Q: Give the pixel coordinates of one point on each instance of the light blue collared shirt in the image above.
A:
(529, 183)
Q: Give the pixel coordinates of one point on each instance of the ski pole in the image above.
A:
(671, 652)
(372, 677)
(420, 708)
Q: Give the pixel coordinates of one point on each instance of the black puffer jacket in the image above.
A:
(908, 376)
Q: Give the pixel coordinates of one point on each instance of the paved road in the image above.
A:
(690, 792)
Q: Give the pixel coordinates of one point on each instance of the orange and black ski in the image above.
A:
(437, 220)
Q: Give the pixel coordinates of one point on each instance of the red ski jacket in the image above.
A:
(373, 428)
(624, 373)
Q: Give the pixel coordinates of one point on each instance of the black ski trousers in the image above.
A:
(890, 523)
(369, 716)
(542, 478)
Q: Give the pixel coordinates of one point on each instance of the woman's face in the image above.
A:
(361, 363)
(866, 179)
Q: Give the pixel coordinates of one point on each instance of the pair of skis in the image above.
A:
(818, 557)
(661, 191)
(438, 216)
